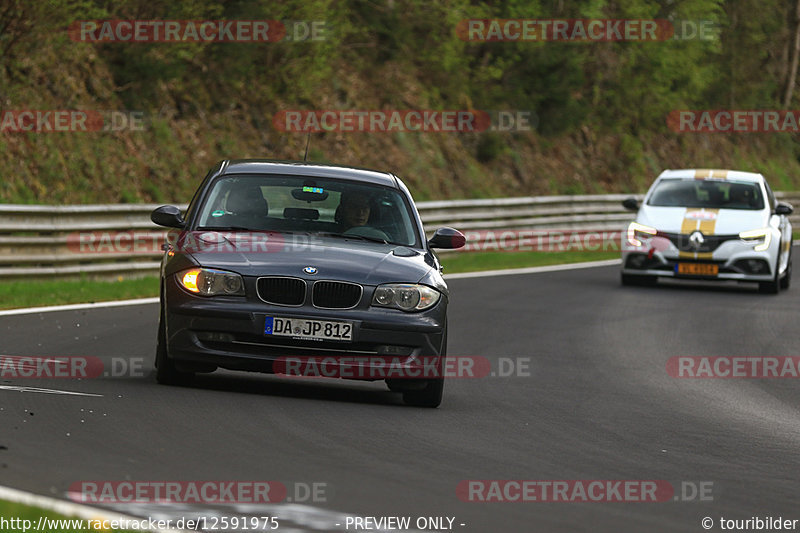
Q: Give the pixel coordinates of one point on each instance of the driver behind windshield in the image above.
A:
(741, 196)
(353, 211)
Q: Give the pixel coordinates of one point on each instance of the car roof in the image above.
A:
(704, 173)
(302, 168)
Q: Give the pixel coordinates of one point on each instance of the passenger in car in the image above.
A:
(245, 207)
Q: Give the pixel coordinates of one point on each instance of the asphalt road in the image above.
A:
(598, 404)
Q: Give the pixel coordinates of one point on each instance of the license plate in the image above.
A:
(697, 269)
(304, 328)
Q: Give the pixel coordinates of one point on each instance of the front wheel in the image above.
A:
(166, 373)
(771, 287)
(637, 281)
(786, 280)
(430, 396)
(430, 391)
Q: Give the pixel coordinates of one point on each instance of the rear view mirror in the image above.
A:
(310, 194)
(783, 209)
(447, 239)
(298, 213)
(631, 204)
(168, 216)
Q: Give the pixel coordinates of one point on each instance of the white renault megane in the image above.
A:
(710, 225)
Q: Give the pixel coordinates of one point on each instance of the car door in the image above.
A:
(785, 228)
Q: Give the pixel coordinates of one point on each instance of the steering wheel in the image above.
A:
(367, 231)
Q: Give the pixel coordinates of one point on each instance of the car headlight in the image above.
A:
(210, 282)
(637, 232)
(405, 296)
(760, 237)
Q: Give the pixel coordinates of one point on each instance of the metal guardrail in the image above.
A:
(45, 241)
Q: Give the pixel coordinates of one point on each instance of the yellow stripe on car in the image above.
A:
(704, 220)
(709, 225)
(694, 255)
(703, 173)
(689, 224)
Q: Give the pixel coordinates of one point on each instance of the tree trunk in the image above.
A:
(787, 96)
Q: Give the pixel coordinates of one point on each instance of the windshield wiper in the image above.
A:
(223, 228)
(359, 237)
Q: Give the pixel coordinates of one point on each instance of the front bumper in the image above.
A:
(735, 259)
(228, 332)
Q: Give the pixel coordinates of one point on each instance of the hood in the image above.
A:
(277, 254)
(709, 221)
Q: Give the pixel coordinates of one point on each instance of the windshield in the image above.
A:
(309, 205)
(717, 194)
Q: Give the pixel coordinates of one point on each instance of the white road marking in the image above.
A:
(293, 517)
(461, 275)
(532, 270)
(47, 391)
(73, 307)
(480, 274)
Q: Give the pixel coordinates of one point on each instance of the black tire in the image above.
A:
(431, 394)
(395, 386)
(771, 287)
(633, 280)
(786, 280)
(166, 373)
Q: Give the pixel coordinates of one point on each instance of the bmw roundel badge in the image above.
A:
(310, 270)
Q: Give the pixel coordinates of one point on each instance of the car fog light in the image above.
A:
(636, 261)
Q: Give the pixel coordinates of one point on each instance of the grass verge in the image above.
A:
(21, 517)
(16, 294)
(456, 262)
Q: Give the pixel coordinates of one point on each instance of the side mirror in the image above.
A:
(168, 216)
(631, 204)
(447, 239)
(783, 209)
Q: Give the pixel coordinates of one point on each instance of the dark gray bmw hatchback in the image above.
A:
(304, 270)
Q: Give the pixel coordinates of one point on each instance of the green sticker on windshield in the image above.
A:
(218, 213)
(317, 190)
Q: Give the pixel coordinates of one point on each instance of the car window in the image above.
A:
(771, 201)
(192, 207)
(716, 194)
(306, 204)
